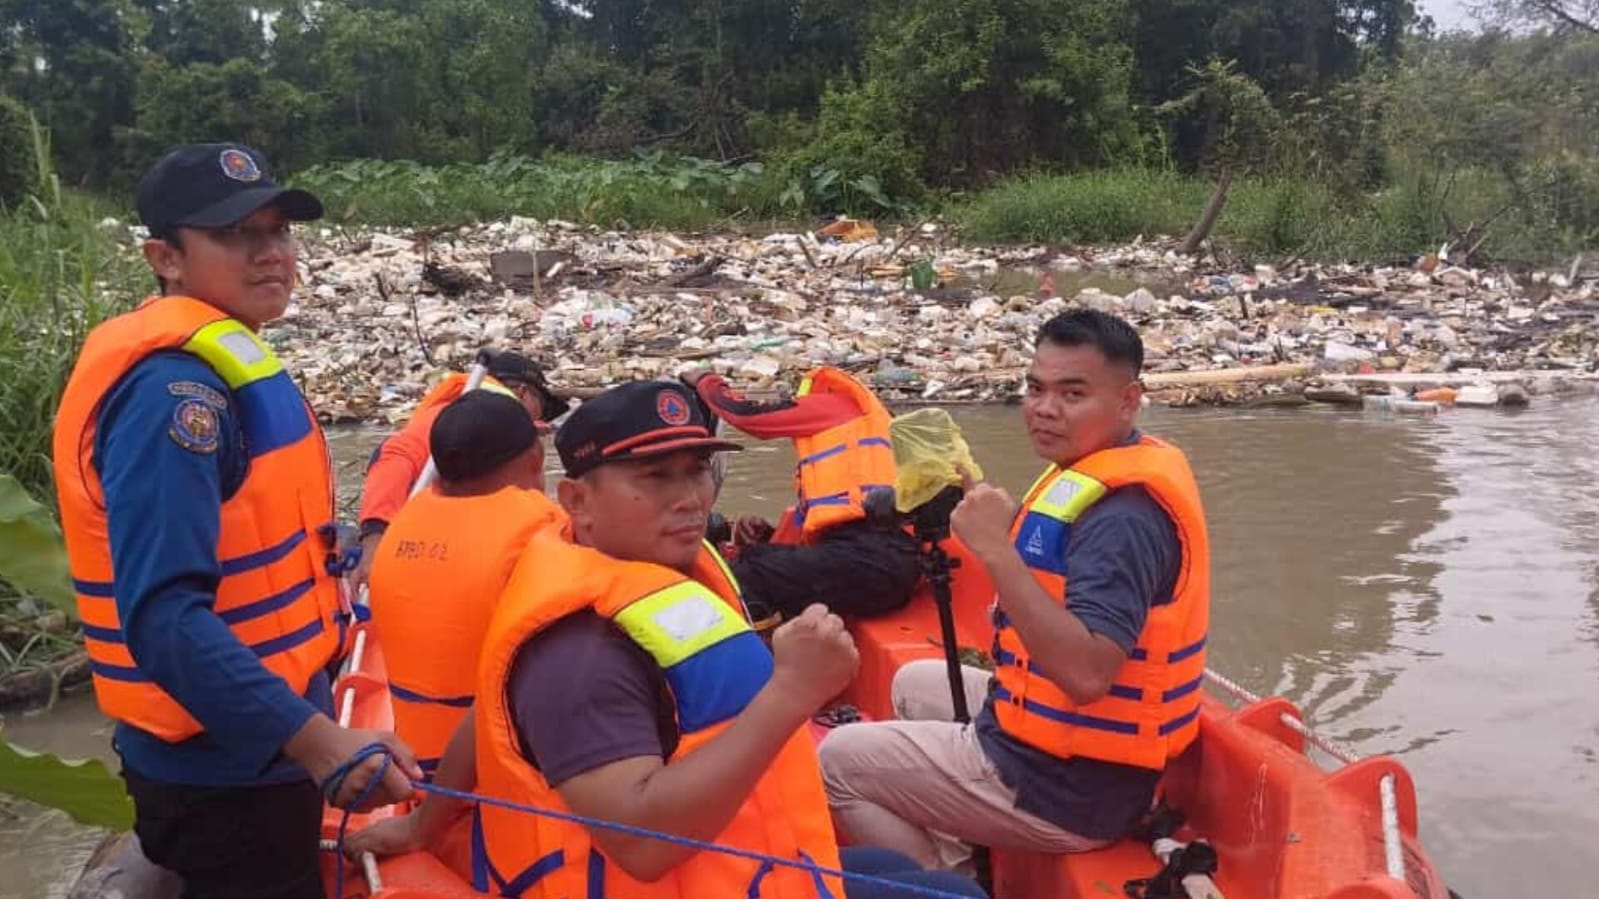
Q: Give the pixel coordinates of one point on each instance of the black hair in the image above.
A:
(1112, 336)
(172, 240)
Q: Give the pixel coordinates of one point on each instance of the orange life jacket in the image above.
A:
(839, 465)
(438, 574)
(275, 593)
(1151, 713)
(714, 665)
(453, 385)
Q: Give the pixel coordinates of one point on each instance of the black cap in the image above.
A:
(643, 418)
(478, 432)
(214, 186)
(510, 367)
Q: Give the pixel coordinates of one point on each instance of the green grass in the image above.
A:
(61, 274)
(1272, 218)
(1084, 208)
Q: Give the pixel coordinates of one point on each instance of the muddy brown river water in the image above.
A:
(1426, 587)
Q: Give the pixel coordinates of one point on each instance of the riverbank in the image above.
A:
(920, 316)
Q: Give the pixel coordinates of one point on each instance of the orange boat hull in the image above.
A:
(1283, 827)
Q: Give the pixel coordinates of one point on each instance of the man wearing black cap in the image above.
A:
(400, 459)
(439, 572)
(599, 673)
(639, 693)
(194, 489)
(446, 557)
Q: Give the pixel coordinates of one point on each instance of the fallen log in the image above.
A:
(1278, 372)
(34, 687)
(704, 269)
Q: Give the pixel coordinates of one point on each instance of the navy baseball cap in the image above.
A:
(510, 367)
(635, 420)
(215, 186)
(478, 432)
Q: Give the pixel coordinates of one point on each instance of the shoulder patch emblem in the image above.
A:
(195, 427)
(198, 391)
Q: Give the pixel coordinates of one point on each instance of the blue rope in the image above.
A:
(334, 782)
(336, 779)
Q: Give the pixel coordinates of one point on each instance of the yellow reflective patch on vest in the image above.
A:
(1068, 496)
(722, 564)
(493, 386)
(805, 386)
(679, 621)
(235, 352)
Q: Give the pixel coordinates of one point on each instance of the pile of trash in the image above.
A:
(922, 318)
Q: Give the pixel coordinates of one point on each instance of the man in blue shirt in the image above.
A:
(927, 787)
(222, 751)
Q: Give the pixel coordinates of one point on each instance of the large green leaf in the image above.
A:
(86, 790)
(33, 555)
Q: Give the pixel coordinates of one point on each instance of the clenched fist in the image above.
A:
(983, 520)
(814, 658)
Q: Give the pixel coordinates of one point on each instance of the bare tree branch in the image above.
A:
(1557, 10)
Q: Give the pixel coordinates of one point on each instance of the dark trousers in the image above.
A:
(232, 842)
(855, 569)
(890, 865)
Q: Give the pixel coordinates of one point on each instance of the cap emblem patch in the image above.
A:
(672, 408)
(239, 166)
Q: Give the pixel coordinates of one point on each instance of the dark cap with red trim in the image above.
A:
(642, 418)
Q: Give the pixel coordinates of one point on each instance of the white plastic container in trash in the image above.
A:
(1398, 405)
(1478, 395)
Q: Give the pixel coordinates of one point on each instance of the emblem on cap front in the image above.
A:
(238, 165)
(672, 408)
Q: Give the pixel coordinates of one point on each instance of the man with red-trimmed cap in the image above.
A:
(195, 491)
(621, 681)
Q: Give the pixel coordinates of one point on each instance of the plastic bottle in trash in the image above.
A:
(605, 316)
(1398, 405)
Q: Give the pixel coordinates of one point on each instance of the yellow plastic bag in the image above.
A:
(929, 452)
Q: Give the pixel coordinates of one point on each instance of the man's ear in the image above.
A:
(164, 259)
(573, 495)
(1132, 399)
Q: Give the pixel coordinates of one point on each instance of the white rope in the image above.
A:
(348, 709)
(359, 651)
(1393, 848)
(369, 866)
(1231, 687)
(374, 880)
(1328, 745)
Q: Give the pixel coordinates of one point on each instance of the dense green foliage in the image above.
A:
(19, 161)
(706, 112)
(914, 93)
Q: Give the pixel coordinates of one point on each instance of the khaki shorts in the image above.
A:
(923, 786)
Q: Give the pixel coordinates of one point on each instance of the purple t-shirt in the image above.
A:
(584, 695)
